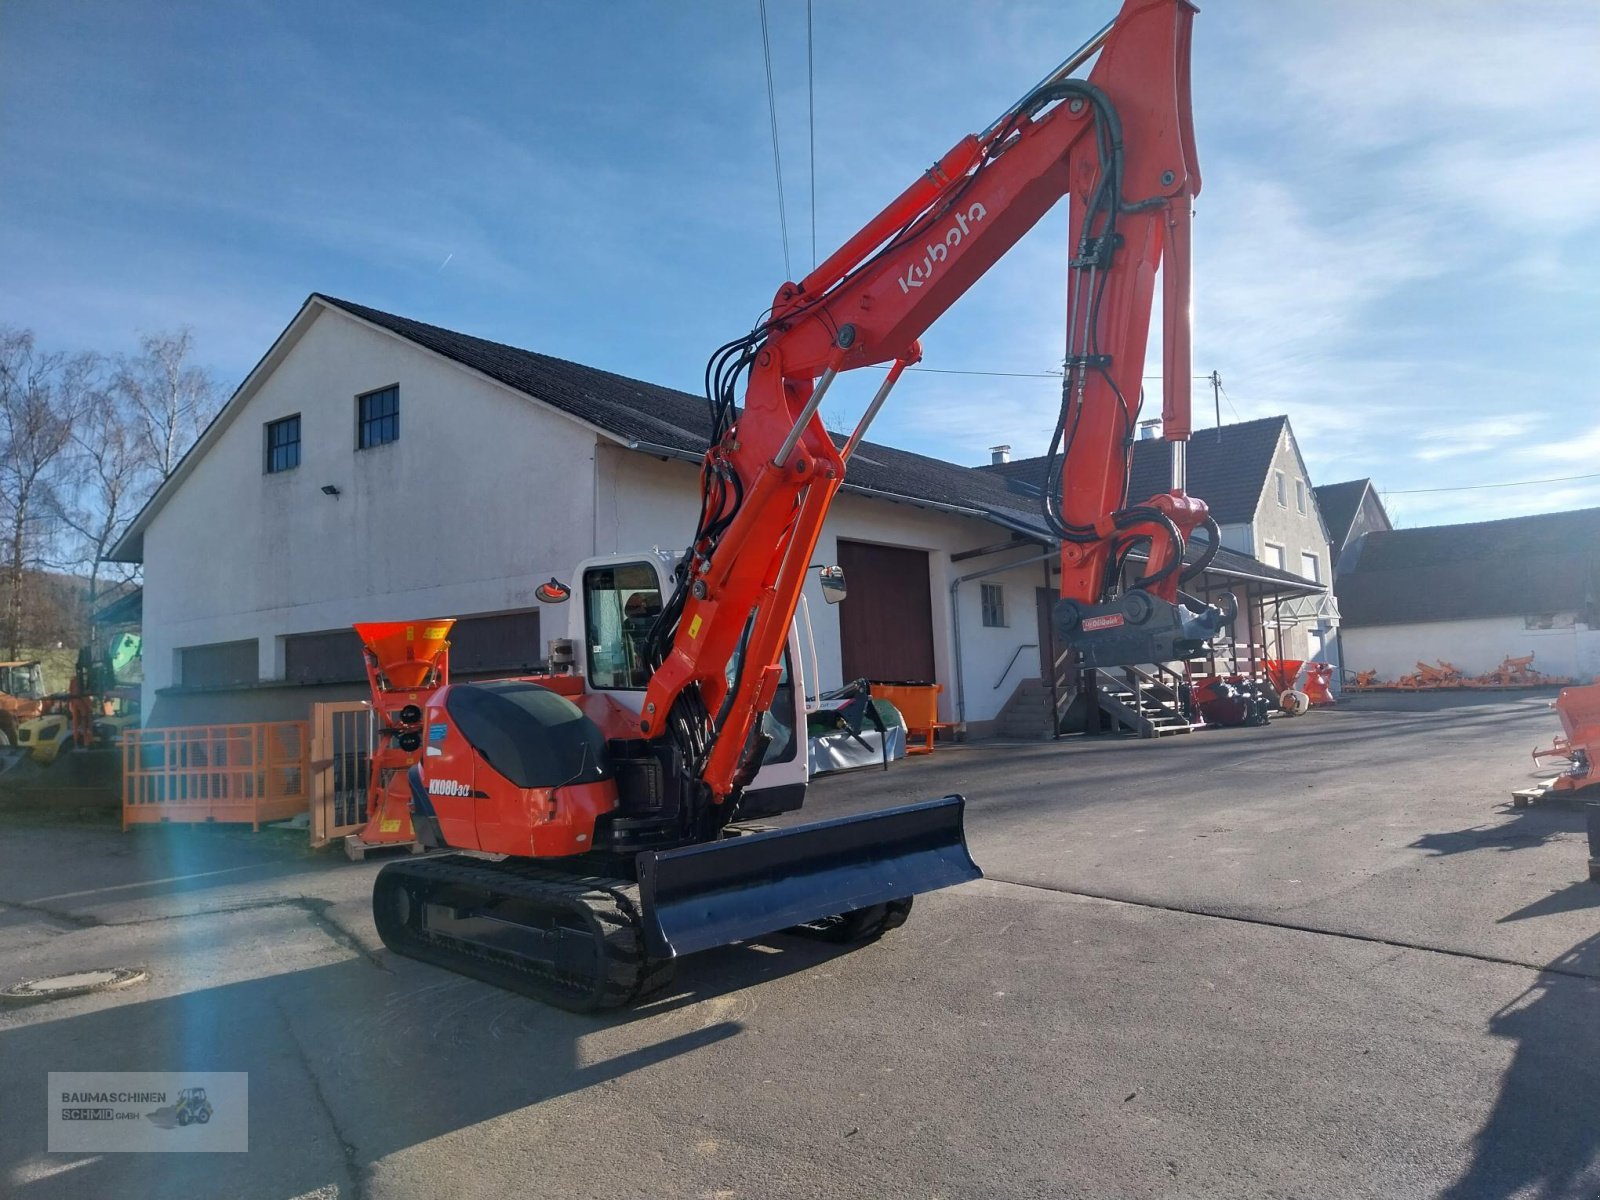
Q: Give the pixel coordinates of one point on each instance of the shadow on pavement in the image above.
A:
(1542, 1136)
(352, 1062)
(1572, 898)
(1527, 827)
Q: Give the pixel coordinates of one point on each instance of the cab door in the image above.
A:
(619, 600)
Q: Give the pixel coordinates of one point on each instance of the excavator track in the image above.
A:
(570, 940)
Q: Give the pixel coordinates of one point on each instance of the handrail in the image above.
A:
(1014, 656)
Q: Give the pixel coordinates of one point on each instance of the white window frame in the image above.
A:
(1283, 490)
(1300, 494)
(1314, 561)
(1268, 548)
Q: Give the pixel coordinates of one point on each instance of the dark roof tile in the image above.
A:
(1339, 503)
(1227, 467)
(1547, 563)
(676, 422)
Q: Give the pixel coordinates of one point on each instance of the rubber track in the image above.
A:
(608, 907)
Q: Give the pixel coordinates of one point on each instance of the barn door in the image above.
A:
(886, 620)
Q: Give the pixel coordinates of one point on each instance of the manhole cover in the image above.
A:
(55, 987)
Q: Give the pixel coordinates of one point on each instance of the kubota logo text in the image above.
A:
(919, 273)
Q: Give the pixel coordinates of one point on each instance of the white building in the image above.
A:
(1473, 595)
(373, 467)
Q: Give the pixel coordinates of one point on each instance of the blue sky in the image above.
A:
(1396, 242)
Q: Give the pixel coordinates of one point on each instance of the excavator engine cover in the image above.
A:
(743, 886)
(1137, 628)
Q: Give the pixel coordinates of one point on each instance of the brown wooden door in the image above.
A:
(886, 619)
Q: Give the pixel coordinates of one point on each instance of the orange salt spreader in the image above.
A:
(406, 661)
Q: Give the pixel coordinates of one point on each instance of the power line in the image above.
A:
(1476, 487)
(777, 161)
(1006, 374)
(811, 130)
(1229, 399)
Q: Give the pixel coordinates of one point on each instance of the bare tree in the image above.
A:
(40, 395)
(170, 399)
(110, 477)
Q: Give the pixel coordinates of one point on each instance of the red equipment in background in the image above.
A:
(1579, 743)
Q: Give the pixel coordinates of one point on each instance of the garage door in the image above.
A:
(886, 620)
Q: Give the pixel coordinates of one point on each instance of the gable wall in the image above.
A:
(483, 496)
(1284, 524)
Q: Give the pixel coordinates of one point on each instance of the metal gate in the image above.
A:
(341, 753)
(196, 773)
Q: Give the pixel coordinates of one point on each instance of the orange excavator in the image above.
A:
(620, 793)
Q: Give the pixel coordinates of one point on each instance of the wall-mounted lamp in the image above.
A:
(329, 489)
(554, 592)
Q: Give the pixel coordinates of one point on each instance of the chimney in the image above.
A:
(998, 455)
(1149, 430)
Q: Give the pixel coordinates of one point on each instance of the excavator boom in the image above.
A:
(1121, 145)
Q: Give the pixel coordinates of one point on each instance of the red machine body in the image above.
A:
(408, 672)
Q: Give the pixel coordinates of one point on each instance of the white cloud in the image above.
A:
(1470, 437)
(1570, 447)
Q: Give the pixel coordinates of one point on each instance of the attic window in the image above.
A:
(283, 444)
(1283, 490)
(378, 418)
(1300, 494)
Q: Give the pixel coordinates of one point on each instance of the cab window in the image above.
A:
(620, 605)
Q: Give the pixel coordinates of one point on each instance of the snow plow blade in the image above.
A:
(698, 897)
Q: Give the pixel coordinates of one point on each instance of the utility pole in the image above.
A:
(1216, 398)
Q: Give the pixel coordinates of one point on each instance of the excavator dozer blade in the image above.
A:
(698, 897)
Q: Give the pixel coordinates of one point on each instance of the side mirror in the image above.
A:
(832, 579)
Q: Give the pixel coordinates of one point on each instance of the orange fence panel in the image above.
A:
(232, 773)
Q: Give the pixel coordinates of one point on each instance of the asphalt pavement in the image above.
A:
(1322, 959)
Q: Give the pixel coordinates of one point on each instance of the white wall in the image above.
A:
(1476, 646)
(483, 496)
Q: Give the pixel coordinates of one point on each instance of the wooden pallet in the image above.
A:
(1545, 792)
(357, 850)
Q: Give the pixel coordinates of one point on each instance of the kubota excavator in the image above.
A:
(616, 793)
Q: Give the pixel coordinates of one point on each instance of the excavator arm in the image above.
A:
(1121, 145)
